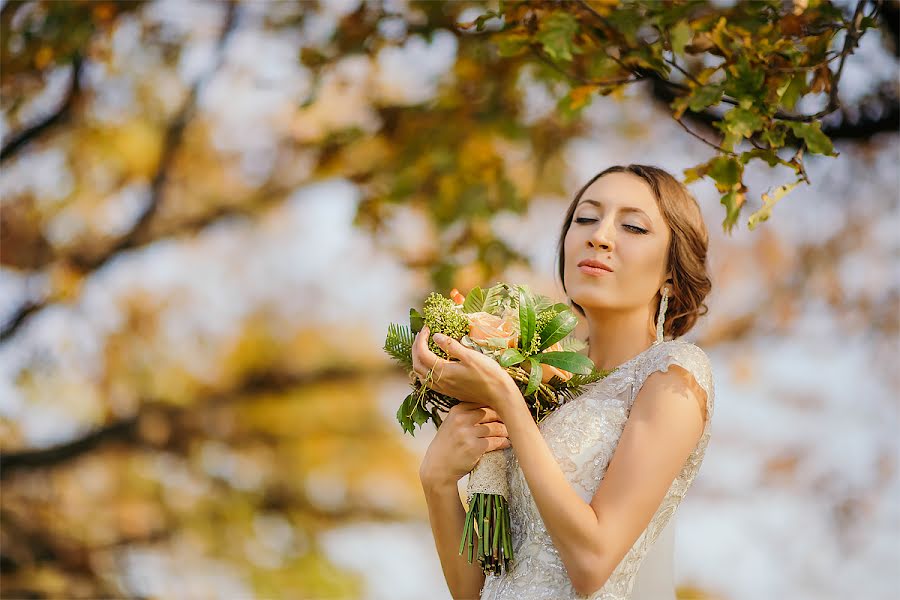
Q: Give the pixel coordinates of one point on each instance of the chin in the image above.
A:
(588, 298)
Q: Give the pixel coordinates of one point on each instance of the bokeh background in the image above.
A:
(211, 212)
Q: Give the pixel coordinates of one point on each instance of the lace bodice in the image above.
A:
(582, 435)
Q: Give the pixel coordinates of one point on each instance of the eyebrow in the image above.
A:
(633, 209)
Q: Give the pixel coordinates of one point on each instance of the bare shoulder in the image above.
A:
(678, 384)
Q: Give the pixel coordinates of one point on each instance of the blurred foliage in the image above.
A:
(222, 467)
(758, 58)
(466, 154)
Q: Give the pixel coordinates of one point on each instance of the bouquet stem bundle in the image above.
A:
(528, 335)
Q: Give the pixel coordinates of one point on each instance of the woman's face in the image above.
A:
(617, 222)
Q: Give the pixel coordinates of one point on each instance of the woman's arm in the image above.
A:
(664, 426)
(447, 516)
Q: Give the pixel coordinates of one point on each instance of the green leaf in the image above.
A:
(726, 171)
(795, 89)
(510, 357)
(557, 328)
(420, 415)
(732, 201)
(416, 320)
(702, 97)
(743, 121)
(770, 156)
(534, 378)
(404, 414)
(527, 319)
(479, 22)
(567, 361)
(867, 22)
(680, 35)
(769, 203)
(774, 136)
(816, 141)
(474, 300)
(561, 307)
(512, 44)
(557, 34)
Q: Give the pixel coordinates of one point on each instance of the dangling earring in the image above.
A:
(661, 317)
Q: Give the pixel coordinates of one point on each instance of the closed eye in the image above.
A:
(635, 229)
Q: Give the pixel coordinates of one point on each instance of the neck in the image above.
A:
(616, 336)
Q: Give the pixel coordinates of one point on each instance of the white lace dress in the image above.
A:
(582, 435)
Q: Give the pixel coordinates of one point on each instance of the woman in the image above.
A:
(593, 487)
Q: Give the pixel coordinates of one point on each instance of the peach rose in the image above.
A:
(483, 325)
(548, 371)
(456, 296)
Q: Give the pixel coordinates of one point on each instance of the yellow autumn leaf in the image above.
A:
(769, 202)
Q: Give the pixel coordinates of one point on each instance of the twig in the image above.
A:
(21, 139)
(699, 137)
(130, 239)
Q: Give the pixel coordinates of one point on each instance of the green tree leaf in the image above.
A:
(513, 44)
(743, 121)
(705, 96)
(816, 141)
(726, 171)
(557, 34)
(794, 90)
(680, 35)
(732, 201)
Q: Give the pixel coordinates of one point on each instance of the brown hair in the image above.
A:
(687, 248)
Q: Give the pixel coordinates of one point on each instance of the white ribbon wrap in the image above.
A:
(489, 475)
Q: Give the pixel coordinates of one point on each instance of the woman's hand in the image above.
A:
(467, 432)
(475, 378)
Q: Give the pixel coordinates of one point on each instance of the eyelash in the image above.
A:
(582, 220)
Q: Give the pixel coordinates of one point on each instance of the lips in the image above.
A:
(596, 264)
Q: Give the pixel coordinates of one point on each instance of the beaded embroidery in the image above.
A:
(583, 435)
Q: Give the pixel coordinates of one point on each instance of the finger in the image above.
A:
(420, 349)
(426, 359)
(492, 429)
(429, 362)
(496, 443)
(416, 351)
(486, 415)
(452, 347)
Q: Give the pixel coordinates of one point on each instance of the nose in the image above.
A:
(602, 237)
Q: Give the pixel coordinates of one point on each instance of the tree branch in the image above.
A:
(132, 238)
(60, 116)
(127, 430)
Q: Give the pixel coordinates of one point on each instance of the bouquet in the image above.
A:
(528, 335)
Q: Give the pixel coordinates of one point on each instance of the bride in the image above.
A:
(593, 487)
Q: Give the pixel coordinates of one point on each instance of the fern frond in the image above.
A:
(570, 343)
(398, 344)
(578, 380)
(493, 299)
